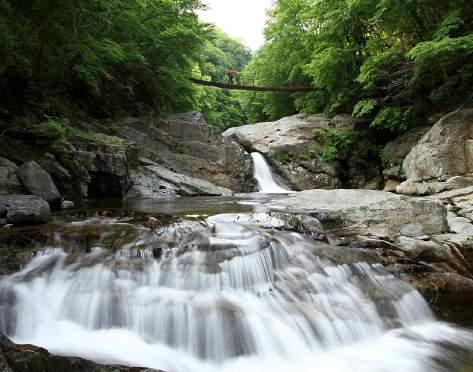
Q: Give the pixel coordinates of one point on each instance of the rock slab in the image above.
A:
(368, 213)
(25, 209)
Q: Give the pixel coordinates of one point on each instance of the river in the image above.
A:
(220, 287)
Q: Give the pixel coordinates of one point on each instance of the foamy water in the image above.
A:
(225, 294)
(264, 176)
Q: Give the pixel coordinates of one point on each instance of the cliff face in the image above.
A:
(159, 157)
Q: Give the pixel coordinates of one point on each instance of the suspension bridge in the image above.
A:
(292, 89)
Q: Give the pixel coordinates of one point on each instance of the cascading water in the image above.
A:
(264, 176)
(227, 293)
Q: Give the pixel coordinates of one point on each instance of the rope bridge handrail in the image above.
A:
(251, 87)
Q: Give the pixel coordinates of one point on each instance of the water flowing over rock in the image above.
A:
(289, 145)
(290, 137)
(444, 152)
(233, 291)
(265, 177)
(38, 182)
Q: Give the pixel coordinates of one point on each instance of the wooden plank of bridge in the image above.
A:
(251, 87)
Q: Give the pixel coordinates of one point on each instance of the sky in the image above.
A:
(241, 19)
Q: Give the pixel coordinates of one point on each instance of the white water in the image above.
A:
(264, 176)
(224, 296)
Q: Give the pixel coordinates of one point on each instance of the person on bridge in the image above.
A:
(231, 75)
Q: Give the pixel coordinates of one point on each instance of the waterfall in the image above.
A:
(264, 176)
(224, 294)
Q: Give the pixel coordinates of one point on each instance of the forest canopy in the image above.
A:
(110, 56)
(391, 62)
(388, 61)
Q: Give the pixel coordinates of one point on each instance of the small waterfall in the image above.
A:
(264, 176)
(224, 294)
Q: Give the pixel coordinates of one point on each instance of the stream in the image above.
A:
(220, 287)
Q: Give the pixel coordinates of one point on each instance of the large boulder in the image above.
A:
(25, 209)
(291, 134)
(444, 152)
(38, 182)
(286, 144)
(394, 153)
(9, 182)
(347, 214)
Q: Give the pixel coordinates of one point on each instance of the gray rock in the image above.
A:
(292, 134)
(9, 182)
(187, 145)
(3, 221)
(367, 212)
(459, 225)
(26, 209)
(67, 204)
(423, 250)
(38, 182)
(396, 151)
(461, 242)
(286, 142)
(7, 163)
(444, 150)
(391, 185)
(161, 183)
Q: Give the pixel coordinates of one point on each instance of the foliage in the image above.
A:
(343, 144)
(56, 128)
(389, 61)
(221, 107)
(282, 157)
(105, 54)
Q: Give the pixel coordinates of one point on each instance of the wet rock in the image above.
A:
(447, 293)
(38, 182)
(9, 182)
(423, 250)
(29, 358)
(25, 209)
(368, 212)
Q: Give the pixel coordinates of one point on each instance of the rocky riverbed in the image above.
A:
(171, 175)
